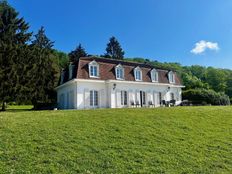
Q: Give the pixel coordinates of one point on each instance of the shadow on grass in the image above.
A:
(19, 108)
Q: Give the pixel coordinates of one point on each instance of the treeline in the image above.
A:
(197, 77)
(28, 70)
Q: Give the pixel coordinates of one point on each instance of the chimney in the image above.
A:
(71, 68)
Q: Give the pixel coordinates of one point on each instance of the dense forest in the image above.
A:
(30, 67)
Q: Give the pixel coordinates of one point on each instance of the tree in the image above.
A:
(192, 82)
(198, 71)
(13, 37)
(60, 61)
(216, 79)
(61, 58)
(43, 72)
(77, 53)
(114, 50)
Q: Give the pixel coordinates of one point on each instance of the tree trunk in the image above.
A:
(3, 106)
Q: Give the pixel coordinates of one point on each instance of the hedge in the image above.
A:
(205, 96)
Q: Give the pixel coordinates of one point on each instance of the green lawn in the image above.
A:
(162, 140)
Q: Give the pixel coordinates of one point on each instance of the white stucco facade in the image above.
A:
(92, 93)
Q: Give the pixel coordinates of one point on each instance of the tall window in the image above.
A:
(119, 71)
(160, 97)
(124, 99)
(171, 77)
(172, 96)
(143, 98)
(154, 75)
(93, 69)
(138, 74)
(94, 98)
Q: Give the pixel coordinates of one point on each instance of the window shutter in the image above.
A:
(71, 98)
(156, 99)
(67, 101)
(130, 97)
(137, 97)
(86, 98)
(148, 97)
(118, 98)
(101, 98)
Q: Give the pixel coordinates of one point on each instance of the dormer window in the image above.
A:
(119, 71)
(93, 69)
(171, 77)
(138, 74)
(154, 75)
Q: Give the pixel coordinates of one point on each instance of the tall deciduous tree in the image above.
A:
(13, 37)
(114, 50)
(77, 53)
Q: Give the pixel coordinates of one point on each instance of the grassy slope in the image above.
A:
(164, 140)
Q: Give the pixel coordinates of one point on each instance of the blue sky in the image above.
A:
(163, 30)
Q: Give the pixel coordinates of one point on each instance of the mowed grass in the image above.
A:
(161, 140)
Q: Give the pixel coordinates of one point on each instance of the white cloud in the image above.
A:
(202, 46)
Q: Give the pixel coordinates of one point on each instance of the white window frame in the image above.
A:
(171, 77)
(138, 69)
(119, 68)
(93, 65)
(172, 96)
(154, 75)
(124, 98)
(94, 98)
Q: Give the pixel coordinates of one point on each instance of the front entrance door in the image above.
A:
(142, 98)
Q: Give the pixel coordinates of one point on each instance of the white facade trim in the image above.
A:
(75, 94)
(66, 84)
(144, 83)
(117, 81)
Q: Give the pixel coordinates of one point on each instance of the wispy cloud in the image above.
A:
(202, 46)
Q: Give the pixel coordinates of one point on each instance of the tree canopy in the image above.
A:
(198, 77)
(13, 37)
(77, 53)
(114, 50)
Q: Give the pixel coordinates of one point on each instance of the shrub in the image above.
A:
(205, 96)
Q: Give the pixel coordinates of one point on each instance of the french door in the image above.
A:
(94, 98)
(124, 98)
(142, 98)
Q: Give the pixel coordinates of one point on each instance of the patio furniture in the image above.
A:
(137, 103)
(172, 102)
(150, 104)
(132, 103)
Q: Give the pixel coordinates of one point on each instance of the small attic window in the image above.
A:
(138, 74)
(93, 69)
(154, 75)
(119, 71)
(171, 77)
